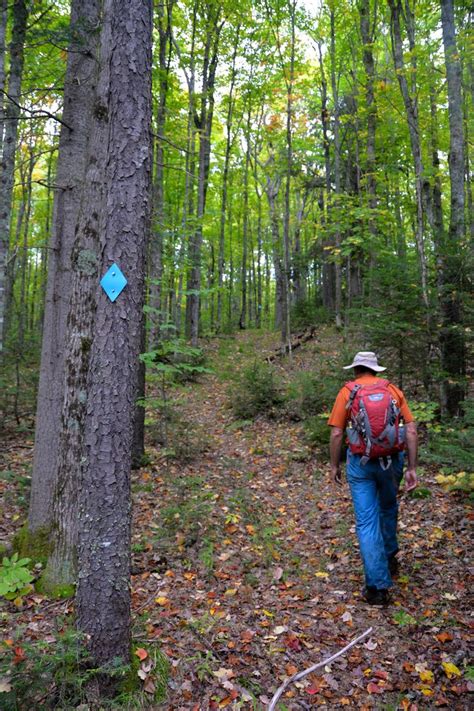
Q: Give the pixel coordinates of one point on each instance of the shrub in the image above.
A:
(451, 443)
(256, 392)
(311, 393)
(307, 313)
(185, 440)
(317, 431)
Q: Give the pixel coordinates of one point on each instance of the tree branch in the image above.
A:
(304, 673)
(41, 113)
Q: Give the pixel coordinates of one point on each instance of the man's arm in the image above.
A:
(335, 448)
(411, 479)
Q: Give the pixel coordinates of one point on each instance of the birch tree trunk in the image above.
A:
(79, 88)
(103, 593)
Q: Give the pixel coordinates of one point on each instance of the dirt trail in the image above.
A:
(246, 570)
(269, 581)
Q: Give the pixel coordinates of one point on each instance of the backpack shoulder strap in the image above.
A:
(353, 388)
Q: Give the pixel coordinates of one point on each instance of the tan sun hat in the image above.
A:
(366, 358)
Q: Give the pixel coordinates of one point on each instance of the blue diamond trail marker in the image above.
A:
(113, 282)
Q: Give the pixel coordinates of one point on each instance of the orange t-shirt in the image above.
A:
(340, 416)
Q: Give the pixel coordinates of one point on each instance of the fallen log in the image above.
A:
(300, 338)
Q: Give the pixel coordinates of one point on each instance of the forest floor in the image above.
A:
(246, 568)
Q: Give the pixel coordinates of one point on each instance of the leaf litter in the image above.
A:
(246, 571)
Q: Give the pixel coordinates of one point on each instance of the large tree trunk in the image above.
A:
(452, 334)
(83, 273)
(11, 115)
(103, 594)
(78, 105)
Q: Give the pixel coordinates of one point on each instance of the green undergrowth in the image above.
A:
(170, 367)
(59, 675)
(306, 393)
(185, 525)
(255, 392)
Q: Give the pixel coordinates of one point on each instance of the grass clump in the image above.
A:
(60, 675)
(256, 392)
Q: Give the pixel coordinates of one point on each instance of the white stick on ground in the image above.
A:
(304, 673)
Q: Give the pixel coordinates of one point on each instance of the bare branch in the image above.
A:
(41, 113)
(304, 673)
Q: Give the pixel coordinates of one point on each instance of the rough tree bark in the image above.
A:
(78, 104)
(103, 594)
(80, 327)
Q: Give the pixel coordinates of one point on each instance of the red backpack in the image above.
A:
(374, 429)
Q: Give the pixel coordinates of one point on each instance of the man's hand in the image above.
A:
(335, 447)
(411, 480)
(336, 474)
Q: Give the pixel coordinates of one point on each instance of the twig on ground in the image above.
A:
(304, 673)
(148, 601)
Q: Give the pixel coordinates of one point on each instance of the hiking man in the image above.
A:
(373, 407)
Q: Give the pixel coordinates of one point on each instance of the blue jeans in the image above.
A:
(374, 494)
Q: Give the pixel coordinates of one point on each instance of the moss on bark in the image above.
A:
(36, 545)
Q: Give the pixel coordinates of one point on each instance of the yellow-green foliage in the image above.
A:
(460, 481)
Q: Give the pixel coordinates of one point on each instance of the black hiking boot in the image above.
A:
(376, 597)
